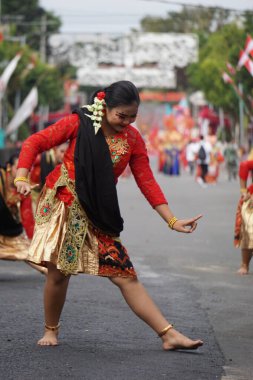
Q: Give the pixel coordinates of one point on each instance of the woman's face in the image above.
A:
(59, 152)
(119, 117)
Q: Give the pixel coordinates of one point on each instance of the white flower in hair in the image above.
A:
(97, 110)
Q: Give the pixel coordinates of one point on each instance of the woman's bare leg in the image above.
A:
(54, 298)
(143, 306)
(246, 257)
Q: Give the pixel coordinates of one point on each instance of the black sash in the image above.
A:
(95, 182)
(46, 166)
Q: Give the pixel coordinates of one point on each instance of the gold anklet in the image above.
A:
(163, 332)
(53, 328)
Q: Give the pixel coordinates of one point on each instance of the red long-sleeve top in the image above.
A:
(126, 147)
(244, 169)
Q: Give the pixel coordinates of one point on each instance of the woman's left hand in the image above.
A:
(186, 225)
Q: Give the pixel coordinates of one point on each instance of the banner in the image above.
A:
(7, 73)
(249, 45)
(243, 57)
(227, 78)
(25, 110)
(249, 66)
(231, 68)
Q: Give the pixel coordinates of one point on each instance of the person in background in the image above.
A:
(45, 163)
(16, 218)
(203, 160)
(231, 159)
(243, 238)
(191, 153)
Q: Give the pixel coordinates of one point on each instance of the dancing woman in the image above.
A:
(78, 221)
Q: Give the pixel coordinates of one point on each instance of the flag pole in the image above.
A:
(241, 115)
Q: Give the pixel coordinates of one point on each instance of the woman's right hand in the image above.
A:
(23, 187)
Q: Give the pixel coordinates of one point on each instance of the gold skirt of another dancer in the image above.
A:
(14, 248)
(246, 241)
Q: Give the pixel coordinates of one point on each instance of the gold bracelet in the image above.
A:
(21, 179)
(243, 190)
(171, 222)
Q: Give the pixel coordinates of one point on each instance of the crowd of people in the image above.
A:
(203, 158)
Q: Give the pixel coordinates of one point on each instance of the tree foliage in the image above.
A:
(222, 47)
(189, 20)
(45, 77)
(26, 18)
(222, 35)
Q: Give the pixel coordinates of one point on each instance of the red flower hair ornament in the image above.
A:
(97, 110)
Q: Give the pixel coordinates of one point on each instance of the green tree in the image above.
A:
(188, 20)
(222, 35)
(248, 22)
(26, 18)
(199, 20)
(206, 75)
(46, 78)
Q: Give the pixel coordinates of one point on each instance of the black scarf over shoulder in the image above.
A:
(95, 182)
(46, 166)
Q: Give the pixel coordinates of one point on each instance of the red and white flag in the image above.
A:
(25, 110)
(231, 68)
(243, 57)
(227, 78)
(249, 45)
(249, 66)
(7, 73)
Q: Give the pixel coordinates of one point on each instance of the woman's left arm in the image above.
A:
(139, 164)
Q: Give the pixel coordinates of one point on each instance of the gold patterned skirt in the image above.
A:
(64, 236)
(246, 233)
(14, 248)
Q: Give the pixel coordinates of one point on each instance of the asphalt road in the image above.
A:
(191, 277)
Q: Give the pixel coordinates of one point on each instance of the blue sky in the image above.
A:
(119, 16)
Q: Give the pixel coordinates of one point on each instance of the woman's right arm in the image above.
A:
(51, 136)
(22, 186)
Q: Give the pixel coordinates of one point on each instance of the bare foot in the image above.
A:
(50, 338)
(174, 340)
(243, 270)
